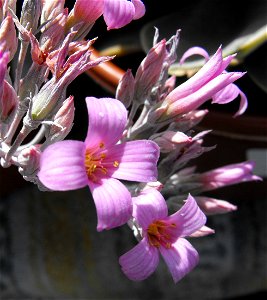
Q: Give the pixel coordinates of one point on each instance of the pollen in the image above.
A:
(115, 164)
(161, 233)
(94, 164)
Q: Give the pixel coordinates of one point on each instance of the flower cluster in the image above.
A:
(138, 144)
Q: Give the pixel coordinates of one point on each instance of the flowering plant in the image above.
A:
(135, 156)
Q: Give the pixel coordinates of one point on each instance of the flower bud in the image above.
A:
(125, 89)
(30, 14)
(149, 71)
(203, 231)
(29, 161)
(211, 206)
(228, 175)
(8, 102)
(62, 122)
(170, 140)
(8, 36)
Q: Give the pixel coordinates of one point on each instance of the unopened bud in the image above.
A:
(170, 140)
(203, 231)
(153, 184)
(8, 102)
(30, 14)
(88, 11)
(29, 160)
(8, 36)
(125, 89)
(62, 122)
(211, 206)
(149, 71)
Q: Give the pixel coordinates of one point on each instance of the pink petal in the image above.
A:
(181, 258)
(205, 74)
(230, 93)
(118, 13)
(107, 120)
(139, 9)
(194, 51)
(148, 207)
(137, 161)
(206, 92)
(189, 218)
(113, 203)
(62, 166)
(140, 262)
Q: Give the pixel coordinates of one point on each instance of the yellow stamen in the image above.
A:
(116, 164)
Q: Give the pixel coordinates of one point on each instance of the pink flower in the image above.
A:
(228, 175)
(116, 13)
(162, 234)
(227, 94)
(99, 161)
(207, 83)
(211, 206)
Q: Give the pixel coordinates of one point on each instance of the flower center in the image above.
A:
(95, 163)
(161, 233)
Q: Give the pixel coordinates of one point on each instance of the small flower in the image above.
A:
(204, 85)
(162, 234)
(99, 162)
(211, 206)
(228, 175)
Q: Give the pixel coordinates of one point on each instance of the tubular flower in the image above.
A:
(228, 175)
(162, 234)
(210, 82)
(100, 161)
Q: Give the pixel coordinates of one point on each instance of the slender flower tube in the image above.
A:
(211, 206)
(162, 234)
(228, 175)
(100, 161)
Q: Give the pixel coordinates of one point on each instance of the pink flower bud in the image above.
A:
(63, 121)
(228, 175)
(203, 231)
(149, 71)
(153, 184)
(8, 102)
(86, 11)
(171, 140)
(211, 206)
(8, 36)
(125, 89)
(29, 161)
(30, 14)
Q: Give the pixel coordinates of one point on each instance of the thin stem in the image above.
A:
(15, 123)
(18, 141)
(142, 116)
(38, 137)
(22, 55)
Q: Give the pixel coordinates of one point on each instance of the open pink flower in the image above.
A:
(99, 161)
(162, 234)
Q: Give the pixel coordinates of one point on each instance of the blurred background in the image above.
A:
(49, 247)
